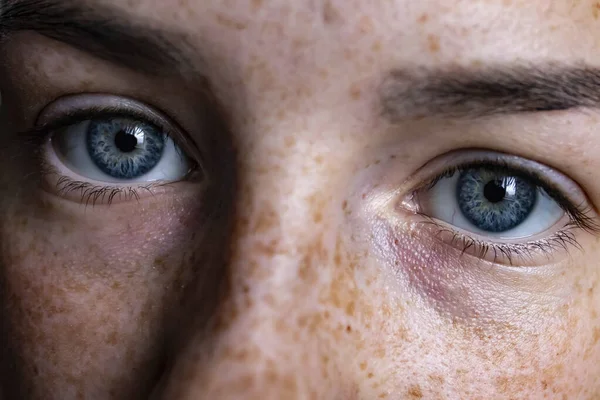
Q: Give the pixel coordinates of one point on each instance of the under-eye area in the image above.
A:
(500, 207)
(101, 149)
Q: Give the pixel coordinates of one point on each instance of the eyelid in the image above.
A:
(71, 109)
(556, 184)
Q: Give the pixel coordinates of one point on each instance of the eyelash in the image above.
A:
(90, 193)
(579, 218)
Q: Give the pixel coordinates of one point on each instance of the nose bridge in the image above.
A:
(267, 342)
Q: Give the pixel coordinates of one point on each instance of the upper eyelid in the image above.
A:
(57, 115)
(564, 190)
(567, 193)
(530, 168)
(98, 102)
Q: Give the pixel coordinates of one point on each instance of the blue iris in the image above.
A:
(493, 201)
(124, 148)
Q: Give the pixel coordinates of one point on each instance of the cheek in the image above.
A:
(86, 303)
(505, 330)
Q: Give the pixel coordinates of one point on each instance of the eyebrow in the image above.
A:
(97, 30)
(479, 92)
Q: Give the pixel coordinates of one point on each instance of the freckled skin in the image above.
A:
(289, 273)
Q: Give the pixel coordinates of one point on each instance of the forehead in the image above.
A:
(404, 31)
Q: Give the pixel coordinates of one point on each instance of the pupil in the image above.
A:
(494, 192)
(125, 142)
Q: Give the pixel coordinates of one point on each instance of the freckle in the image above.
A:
(323, 73)
(423, 19)
(376, 47)
(256, 4)
(330, 13)
(596, 10)
(365, 24)
(355, 92)
(415, 392)
(112, 338)
(596, 335)
(281, 114)
(318, 217)
(289, 141)
(363, 366)
(306, 271)
(348, 329)
(266, 220)
(370, 375)
(433, 43)
(230, 23)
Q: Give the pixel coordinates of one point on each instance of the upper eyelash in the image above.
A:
(35, 137)
(90, 193)
(580, 215)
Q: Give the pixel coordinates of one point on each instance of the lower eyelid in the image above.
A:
(63, 183)
(463, 287)
(467, 247)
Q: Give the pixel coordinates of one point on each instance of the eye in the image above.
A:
(482, 202)
(492, 201)
(117, 149)
(103, 147)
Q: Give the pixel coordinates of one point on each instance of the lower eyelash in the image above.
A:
(92, 194)
(507, 252)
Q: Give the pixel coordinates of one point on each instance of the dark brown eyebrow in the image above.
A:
(478, 92)
(97, 30)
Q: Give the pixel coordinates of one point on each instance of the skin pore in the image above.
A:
(298, 261)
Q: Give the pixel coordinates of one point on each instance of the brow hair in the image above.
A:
(95, 29)
(475, 92)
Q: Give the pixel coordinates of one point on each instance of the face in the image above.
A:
(299, 199)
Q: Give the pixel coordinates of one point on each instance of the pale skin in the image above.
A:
(288, 270)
